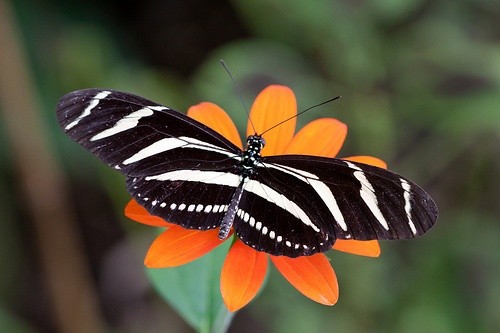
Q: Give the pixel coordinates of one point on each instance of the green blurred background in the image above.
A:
(420, 85)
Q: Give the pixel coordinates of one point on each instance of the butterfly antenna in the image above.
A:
(301, 112)
(238, 92)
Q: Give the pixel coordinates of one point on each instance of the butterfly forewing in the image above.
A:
(188, 174)
(135, 135)
(357, 201)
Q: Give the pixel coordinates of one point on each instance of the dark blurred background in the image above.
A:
(420, 85)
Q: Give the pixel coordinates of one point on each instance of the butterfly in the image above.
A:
(190, 175)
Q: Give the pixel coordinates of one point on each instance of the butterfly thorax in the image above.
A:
(251, 155)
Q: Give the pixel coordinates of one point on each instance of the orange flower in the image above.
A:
(245, 268)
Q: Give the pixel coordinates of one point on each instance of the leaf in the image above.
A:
(193, 290)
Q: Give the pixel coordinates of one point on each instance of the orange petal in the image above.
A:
(273, 105)
(242, 275)
(370, 160)
(217, 119)
(139, 214)
(178, 246)
(369, 248)
(313, 276)
(321, 137)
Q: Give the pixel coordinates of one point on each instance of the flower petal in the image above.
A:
(273, 105)
(178, 246)
(217, 119)
(313, 276)
(242, 275)
(370, 160)
(369, 248)
(139, 214)
(321, 137)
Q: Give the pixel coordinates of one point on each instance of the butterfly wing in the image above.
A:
(278, 222)
(117, 126)
(145, 141)
(311, 201)
(194, 199)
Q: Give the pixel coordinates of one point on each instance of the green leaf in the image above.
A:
(193, 290)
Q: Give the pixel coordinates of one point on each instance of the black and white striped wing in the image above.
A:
(155, 147)
(138, 136)
(276, 218)
(317, 200)
(194, 199)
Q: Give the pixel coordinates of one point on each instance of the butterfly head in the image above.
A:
(255, 142)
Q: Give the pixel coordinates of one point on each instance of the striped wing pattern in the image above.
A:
(115, 126)
(188, 174)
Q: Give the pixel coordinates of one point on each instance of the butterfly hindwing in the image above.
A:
(274, 223)
(191, 204)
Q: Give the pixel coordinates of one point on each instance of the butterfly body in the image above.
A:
(251, 156)
(188, 174)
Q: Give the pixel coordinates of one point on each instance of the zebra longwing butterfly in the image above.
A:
(190, 175)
